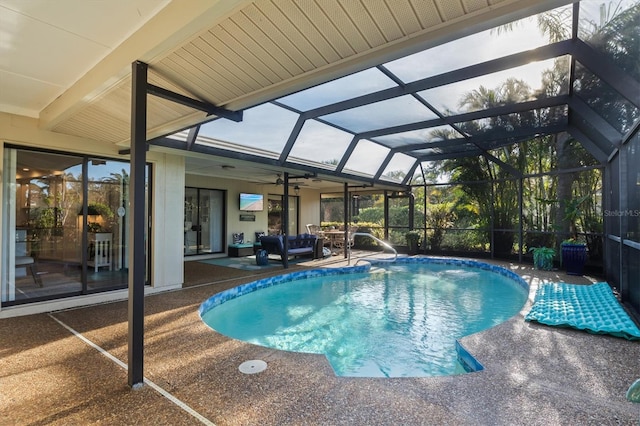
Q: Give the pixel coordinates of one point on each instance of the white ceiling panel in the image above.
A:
(106, 23)
(22, 95)
(64, 53)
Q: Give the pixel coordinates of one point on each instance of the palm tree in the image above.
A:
(502, 211)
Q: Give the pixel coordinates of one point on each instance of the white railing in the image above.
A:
(376, 239)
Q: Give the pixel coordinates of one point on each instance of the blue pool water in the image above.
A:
(402, 321)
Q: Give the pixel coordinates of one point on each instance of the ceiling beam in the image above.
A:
(592, 134)
(485, 137)
(172, 26)
(508, 138)
(582, 109)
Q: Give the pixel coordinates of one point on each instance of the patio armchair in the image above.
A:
(313, 229)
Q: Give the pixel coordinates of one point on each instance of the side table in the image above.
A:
(240, 250)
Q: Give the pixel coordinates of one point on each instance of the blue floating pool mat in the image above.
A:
(593, 308)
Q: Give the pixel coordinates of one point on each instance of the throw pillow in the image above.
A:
(258, 235)
(238, 238)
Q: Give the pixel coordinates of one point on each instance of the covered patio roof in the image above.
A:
(357, 91)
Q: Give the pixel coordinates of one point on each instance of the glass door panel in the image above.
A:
(203, 221)
(107, 225)
(211, 217)
(275, 208)
(293, 215)
(191, 221)
(42, 241)
(274, 214)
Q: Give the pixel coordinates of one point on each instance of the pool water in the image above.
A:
(401, 321)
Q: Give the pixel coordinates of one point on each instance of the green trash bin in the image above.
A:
(262, 258)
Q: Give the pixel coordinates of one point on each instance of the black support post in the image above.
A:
(386, 215)
(285, 221)
(137, 260)
(346, 218)
(520, 219)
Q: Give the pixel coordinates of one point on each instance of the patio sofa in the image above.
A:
(299, 245)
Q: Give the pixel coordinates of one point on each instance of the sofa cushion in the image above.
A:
(297, 244)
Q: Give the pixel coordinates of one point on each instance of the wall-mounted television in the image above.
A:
(251, 202)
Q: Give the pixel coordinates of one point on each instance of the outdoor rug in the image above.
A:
(196, 273)
(593, 308)
(248, 263)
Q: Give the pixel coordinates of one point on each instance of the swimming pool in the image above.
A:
(393, 320)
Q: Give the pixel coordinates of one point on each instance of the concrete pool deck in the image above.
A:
(533, 374)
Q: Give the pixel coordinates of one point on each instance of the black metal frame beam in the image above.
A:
(504, 135)
(605, 69)
(488, 67)
(192, 136)
(384, 165)
(588, 144)
(470, 116)
(194, 103)
(295, 132)
(219, 152)
(581, 108)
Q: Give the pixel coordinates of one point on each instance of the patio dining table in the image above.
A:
(333, 236)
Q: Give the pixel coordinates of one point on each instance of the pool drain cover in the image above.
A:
(253, 366)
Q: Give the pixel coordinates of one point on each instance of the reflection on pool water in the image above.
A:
(395, 320)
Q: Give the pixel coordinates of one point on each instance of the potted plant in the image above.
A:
(574, 251)
(574, 256)
(543, 257)
(413, 241)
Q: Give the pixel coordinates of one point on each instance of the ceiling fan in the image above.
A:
(295, 180)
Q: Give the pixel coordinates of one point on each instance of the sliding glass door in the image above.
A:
(203, 221)
(275, 208)
(65, 225)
